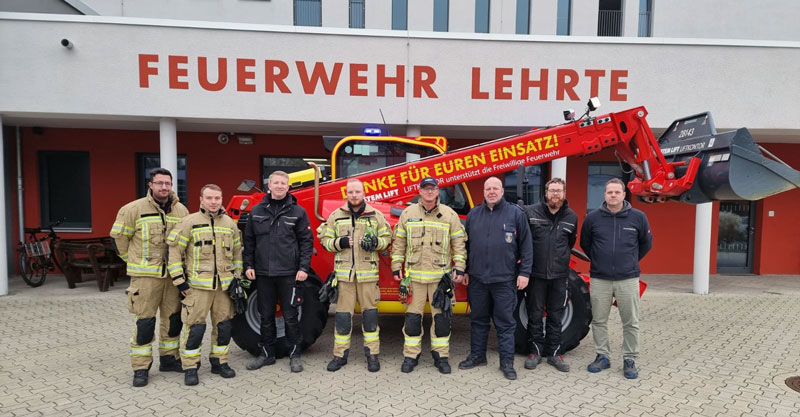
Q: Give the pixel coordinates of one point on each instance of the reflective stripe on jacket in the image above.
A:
(140, 232)
(206, 249)
(354, 261)
(427, 243)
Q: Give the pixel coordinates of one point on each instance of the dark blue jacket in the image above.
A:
(553, 236)
(616, 242)
(496, 240)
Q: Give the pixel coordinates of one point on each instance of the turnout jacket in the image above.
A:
(552, 237)
(206, 248)
(278, 240)
(500, 243)
(428, 242)
(140, 233)
(354, 263)
(616, 242)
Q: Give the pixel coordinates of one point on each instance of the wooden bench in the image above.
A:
(76, 256)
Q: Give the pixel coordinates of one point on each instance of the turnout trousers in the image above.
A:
(367, 294)
(196, 307)
(412, 329)
(145, 298)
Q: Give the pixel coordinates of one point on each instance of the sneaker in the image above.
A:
(629, 369)
(532, 360)
(472, 361)
(508, 370)
(140, 377)
(600, 362)
(336, 363)
(408, 364)
(441, 363)
(558, 362)
(223, 369)
(296, 364)
(190, 377)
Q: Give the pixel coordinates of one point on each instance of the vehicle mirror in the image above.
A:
(246, 185)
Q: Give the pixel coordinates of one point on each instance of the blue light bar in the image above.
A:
(372, 131)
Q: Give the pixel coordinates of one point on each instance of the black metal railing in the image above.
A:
(609, 23)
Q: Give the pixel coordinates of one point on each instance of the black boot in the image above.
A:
(190, 377)
(409, 364)
(373, 363)
(265, 357)
(338, 361)
(140, 377)
(440, 363)
(223, 369)
(169, 363)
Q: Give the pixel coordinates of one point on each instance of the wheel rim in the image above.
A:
(253, 317)
(523, 315)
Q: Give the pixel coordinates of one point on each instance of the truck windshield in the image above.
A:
(356, 157)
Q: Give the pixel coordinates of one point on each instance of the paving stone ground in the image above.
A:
(727, 353)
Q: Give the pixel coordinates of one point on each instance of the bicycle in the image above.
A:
(36, 254)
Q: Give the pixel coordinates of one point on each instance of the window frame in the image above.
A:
(178, 180)
(307, 3)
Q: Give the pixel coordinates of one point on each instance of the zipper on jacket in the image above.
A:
(614, 247)
(163, 241)
(214, 244)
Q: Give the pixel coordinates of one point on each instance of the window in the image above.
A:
(645, 18)
(609, 18)
(441, 13)
(523, 17)
(147, 161)
(308, 12)
(481, 16)
(452, 196)
(563, 15)
(357, 14)
(289, 164)
(532, 191)
(65, 189)
(399, 14)
(599, 174)
(360, 156)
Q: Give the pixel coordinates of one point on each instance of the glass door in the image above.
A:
(736, 231)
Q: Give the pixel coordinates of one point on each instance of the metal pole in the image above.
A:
(702, 248)
(20, 189)
(168, 131)
(3, 259)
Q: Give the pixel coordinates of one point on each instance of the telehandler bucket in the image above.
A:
(732, 165)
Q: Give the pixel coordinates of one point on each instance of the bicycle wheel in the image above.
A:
(32, 270)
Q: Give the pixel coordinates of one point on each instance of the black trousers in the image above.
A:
(496, 301)
(550, 294)
(270, 290)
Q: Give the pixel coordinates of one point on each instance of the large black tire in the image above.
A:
(577, 317)
(313, 317)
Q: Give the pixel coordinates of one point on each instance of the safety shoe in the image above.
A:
(295, 364)
(140, 377)
(409, 364)
(600, 362)
(508, 370)
(265, 357)
(558, 362)
(373, 363)
(472, 361)
(532, 360)
(190, 377)
(223, 369)
(169, 363)
(629, 369)
(440, 363)
(336, 363)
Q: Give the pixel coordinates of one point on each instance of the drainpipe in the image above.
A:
(20, 189)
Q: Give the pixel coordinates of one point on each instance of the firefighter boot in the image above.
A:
(373, 363)
(223, 369)
(440, 363)
(169, 363)
(409, 364)
(266, 357)
(190, 377)
(338, 361)
(140, 377)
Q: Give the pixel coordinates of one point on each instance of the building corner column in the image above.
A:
(702, 248)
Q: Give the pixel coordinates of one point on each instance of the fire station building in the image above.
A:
(95, 93)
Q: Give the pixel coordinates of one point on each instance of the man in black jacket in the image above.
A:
(553, 233)
(278, 244)
(497, 238)
(615, 237)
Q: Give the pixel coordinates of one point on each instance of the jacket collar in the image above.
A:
(290, 199)
(172, 199)
(626, 207)
(496, 206)
(209, 214)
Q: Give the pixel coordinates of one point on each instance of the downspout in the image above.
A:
(20, 188)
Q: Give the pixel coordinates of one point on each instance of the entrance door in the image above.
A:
(736, 231)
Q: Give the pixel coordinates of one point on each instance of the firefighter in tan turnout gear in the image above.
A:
(205, 257)
(140, 234)
(428, 240)
(356, 232)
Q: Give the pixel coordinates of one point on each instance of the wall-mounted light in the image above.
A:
(245, 139)
(67, 43)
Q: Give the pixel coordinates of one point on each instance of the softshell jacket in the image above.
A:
(206, 249)
(140, 233)
(428, 242)
(553, 236)
(278, 240)
(353, 262)
(616, 242)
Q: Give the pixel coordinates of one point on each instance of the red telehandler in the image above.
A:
(691, 162)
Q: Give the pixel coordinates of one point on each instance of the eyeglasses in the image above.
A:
(430, 189)
(555, 191)
(162, 184)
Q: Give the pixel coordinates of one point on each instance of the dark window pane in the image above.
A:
(147, 161)
(645, 18)
(599, 174)
(399, 14)
(441, 14)
(307, 12)
(563, 15)
(65, 188)
(481, 16)
(523, 17)
(289, 164)
(357, 14)
(532, 191)
(356, 157)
